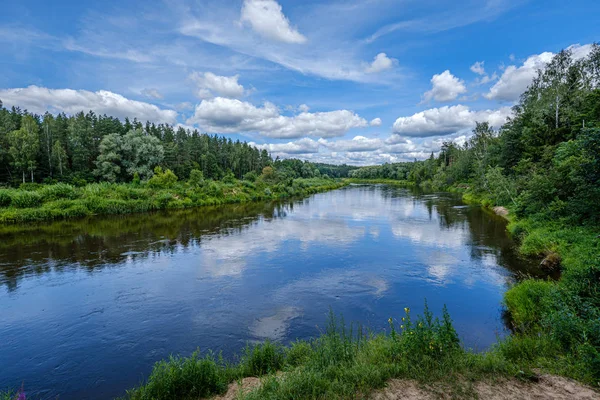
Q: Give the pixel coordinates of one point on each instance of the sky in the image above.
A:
(360, 82)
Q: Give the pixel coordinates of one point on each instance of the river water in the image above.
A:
(87, 306)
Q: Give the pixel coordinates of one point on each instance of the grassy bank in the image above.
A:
(391, 182)
(33, 202)
(556, 323)
(340, 364)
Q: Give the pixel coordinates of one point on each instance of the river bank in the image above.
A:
(62, 201)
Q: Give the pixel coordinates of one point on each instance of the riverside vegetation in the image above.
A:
(543, 165)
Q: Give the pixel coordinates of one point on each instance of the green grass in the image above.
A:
(62, 201)
(391, 182)
(556, 323)
(343, 363)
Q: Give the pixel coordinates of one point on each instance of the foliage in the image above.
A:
(162, 179)
(342, 363)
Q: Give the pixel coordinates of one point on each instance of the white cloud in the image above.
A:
(302, 146)
(375, 122)
(152, 93)
(381, 62)
(486, 79)
(222, 115)
(39, 99)
(358, 143)
(267, 19)
(445, 87)
(446, 120)
(515, 80)
(478, 68)
(303, 108)
(210, 85)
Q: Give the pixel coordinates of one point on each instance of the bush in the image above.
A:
(5, 198)
(26, 199)
(196, 178)
(529, 301)
(262, 359)
(58, 191)
(229, 178)
(162, 180)
(251, 176)
(184, 378)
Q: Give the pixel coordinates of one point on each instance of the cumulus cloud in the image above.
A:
(152, 94)
(302, 146)
(222, 115)
(358, 143)
(381, 62)
(445, 87)
(211, 85)
(267, 19)
(303, 108)
(39, 99)
(375, 122)
(446, 120)
(478, 68)
(516, 79)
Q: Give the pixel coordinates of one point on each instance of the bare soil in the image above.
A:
(548, 387)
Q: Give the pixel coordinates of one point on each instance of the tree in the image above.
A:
(59, 156)
(24, 145)
(141, 153)
(108, 163)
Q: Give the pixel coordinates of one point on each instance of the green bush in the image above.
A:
(251, 176)
(529, 301)
(196, 178)
(162, 180)
(58, 191)
(262, 359)
(5, 198)
(26, 199)
(184, 378)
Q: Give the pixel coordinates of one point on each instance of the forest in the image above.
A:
(543, 166)
(86, 148)
(544, 162)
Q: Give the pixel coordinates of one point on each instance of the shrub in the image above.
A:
(5, 198)
(196, 178)
(529, 301)
(162, 180)
(26, 199)
(229, 178)
(251, 176)
(262, 359)
(136, 179)
(58, 191)
(184, 378)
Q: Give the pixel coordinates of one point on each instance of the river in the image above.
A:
(87, 306)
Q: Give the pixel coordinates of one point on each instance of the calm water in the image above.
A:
(86, 307)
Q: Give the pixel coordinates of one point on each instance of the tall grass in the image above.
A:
(62, 201)
(342, 363)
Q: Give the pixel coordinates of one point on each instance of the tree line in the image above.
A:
(88, 147)
(544, 162)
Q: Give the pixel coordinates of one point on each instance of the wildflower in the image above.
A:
(401, 326)
(21, 394)
(402, 318)
(390, 321)
(406, 310)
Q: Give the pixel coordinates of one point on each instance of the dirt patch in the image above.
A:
(501, 211)
(235, 388)
(548, 387)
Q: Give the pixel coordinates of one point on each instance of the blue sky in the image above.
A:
(355, 81)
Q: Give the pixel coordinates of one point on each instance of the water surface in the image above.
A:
(86, 307)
